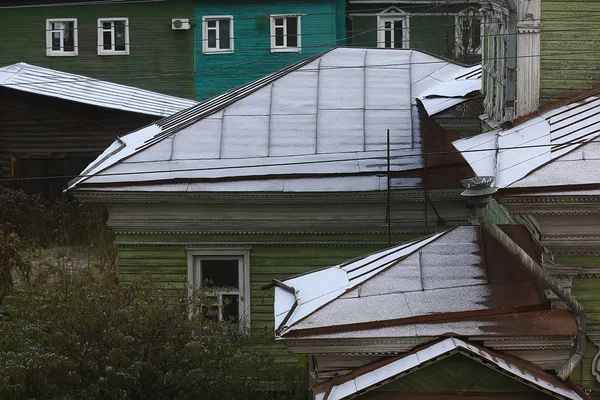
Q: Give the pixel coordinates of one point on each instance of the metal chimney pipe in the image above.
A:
(479, 193)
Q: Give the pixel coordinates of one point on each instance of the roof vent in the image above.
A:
(479, 191)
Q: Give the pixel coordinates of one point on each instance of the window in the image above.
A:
(392, 32)
(113, 36)
(226, 275)
(61, 37)
(217, 34)
(468, 33)
(285, 33)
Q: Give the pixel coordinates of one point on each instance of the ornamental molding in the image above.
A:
(591, 199)
(196, 245)
(528, 343)
(572, 236)
(384, 346)
(241, 232)
(571, 253)
(264, 198)
(594, 337)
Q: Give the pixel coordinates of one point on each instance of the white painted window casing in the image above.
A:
(228, 270)
(286, 33)
(393, 31)
(113, 36)
(61, 37)
(217, 34)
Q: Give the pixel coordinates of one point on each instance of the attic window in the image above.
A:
(113, 36)
(61, 37)
(468, 33)
(285, 33)
(392, 31)
(217, 34)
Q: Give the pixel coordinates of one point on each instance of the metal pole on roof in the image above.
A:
(389, 189)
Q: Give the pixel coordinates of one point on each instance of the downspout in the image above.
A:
(479, 193)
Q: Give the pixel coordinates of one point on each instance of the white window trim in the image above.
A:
(205, 48)
(383, 18)
(101, 50)
(244, 291)
(458, 32)
(284, 48)
(60, 53)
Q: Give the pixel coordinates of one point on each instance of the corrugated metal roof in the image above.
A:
(461, 274)
(371, 376)
(82, 89)
(557, 148)
(324, 117)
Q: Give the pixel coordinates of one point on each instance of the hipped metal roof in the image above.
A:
(95, 92)
(325, 117)
(458, 282)
(557, 148)
(371, 376)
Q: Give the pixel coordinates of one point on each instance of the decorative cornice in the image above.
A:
(253, 244)
(528, 343)
(594, 337)
(374, 346)
(571, 253)
(263, 198)
(157, 231)
(589, 199)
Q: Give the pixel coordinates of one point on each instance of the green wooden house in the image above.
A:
(450, 29)
(131, 43)
(285, 174)
(238, 41)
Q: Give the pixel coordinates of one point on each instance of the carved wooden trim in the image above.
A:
(594, 336)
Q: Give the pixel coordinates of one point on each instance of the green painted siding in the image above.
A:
(160, 59)
(431, 27)
(569, 56)
(456, 374)
(322, 28)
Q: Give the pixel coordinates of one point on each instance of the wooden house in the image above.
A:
(52, 123)
(451, 29)
(133, 43)
(292, 171)
(547, 175)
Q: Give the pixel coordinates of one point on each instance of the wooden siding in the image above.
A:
(569, 43)
(455, 377)
(431, 27)
(161, 59)
(57, 129)
(322, 28)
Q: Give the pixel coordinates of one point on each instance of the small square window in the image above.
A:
(113, 36)
(61, 37)
(286, 33)
(226, 276)
(217, 34)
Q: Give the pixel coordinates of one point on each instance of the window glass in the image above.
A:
(292, 31)
(224, 38)
(230, 308)
(212, 38)
(120, 35)
(279, 36)
(56, 41)
(221, 273)
(398, 34)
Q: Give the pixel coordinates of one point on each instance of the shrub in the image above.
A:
(88, 341)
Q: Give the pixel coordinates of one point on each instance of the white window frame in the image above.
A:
(101, 50)
(61, 53)
(285, 48)
(392, 17)
(458, 23)
(218, 18)
(194, 255)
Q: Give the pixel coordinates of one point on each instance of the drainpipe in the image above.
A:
(479, 193)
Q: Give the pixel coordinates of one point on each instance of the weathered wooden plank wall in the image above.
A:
(569, 48)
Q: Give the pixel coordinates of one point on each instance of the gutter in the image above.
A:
(479, 192)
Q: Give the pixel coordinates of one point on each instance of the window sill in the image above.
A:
(286, 50)
(113, 53)
(61, 54)
(207, 52)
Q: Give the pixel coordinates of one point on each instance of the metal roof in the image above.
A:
(559, 147)
(82, 89)
(324, 117)
(460, 275)
(372, 376)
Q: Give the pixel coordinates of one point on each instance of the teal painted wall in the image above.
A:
(160, 59)
(323, 27)
(569, 43)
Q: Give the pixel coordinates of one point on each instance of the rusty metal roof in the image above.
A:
(460, 276)
(369, 377)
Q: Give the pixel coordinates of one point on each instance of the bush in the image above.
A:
(88, 341)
